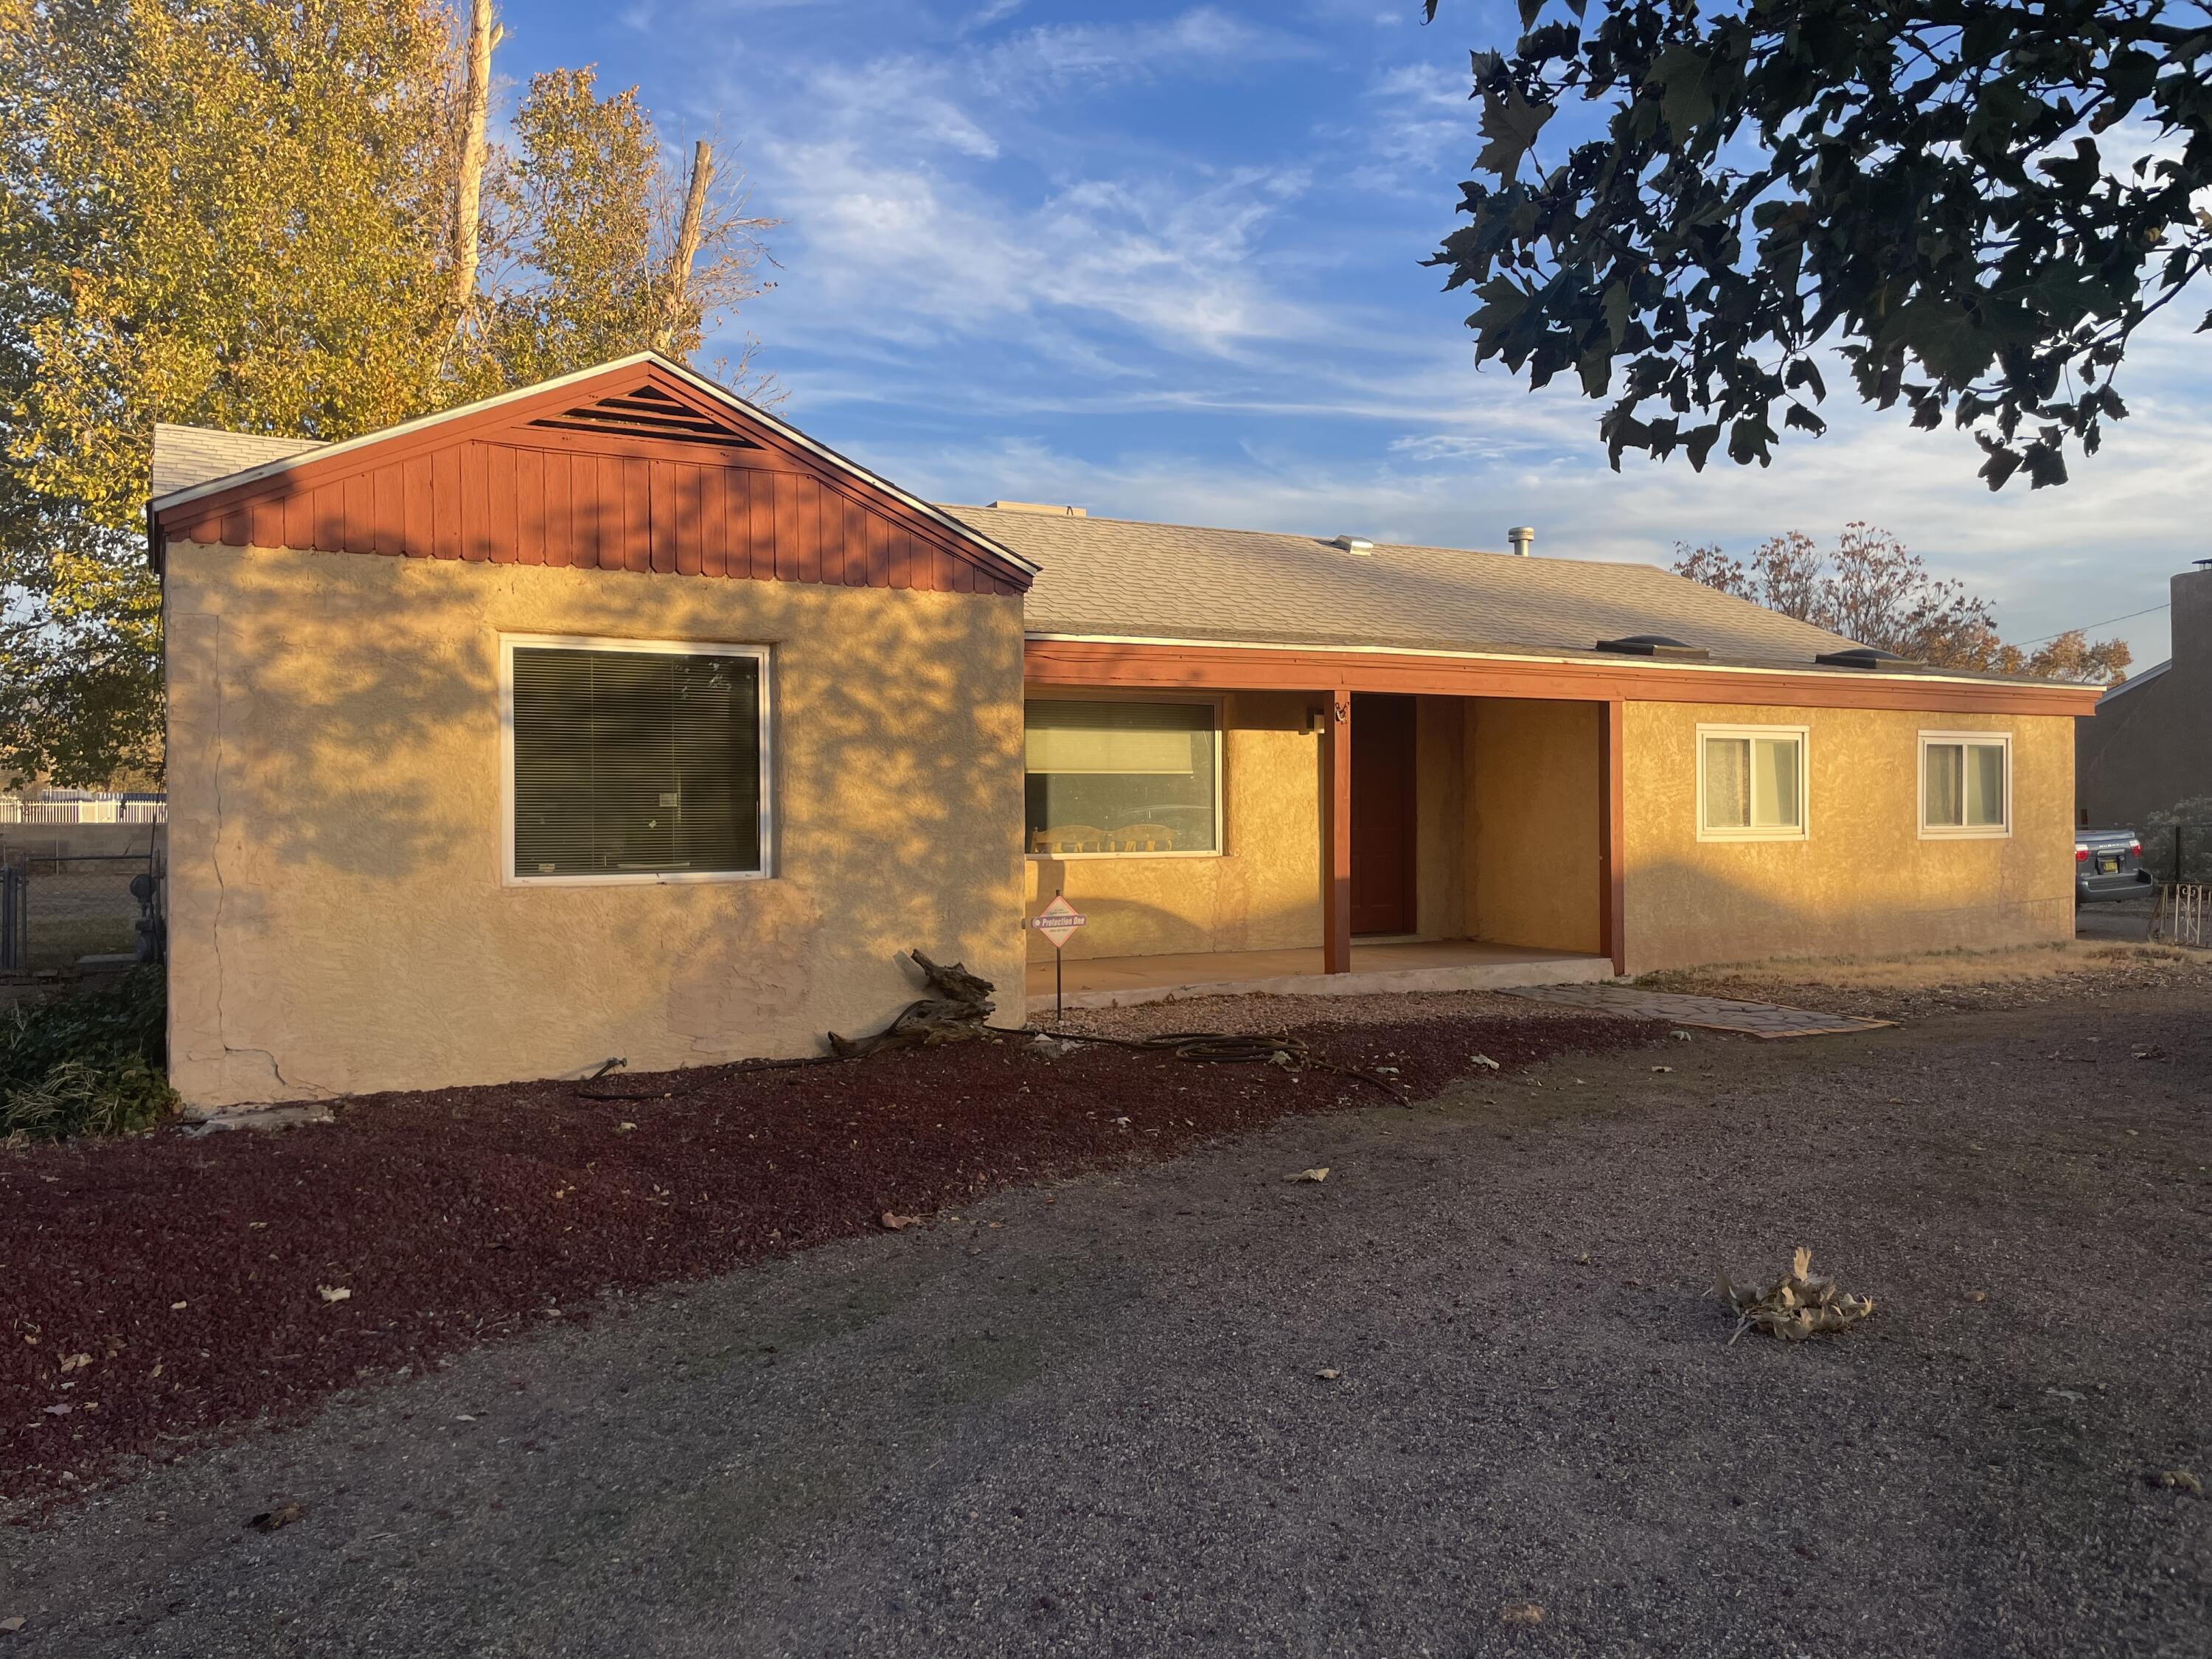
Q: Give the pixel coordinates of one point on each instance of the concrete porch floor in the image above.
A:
(1415, 966)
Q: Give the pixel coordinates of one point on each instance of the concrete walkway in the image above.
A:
(1406, 966)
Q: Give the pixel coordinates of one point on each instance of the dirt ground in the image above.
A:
(1469, 1395)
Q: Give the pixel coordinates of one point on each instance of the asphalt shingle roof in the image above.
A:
(1127, 578)
(185, 457)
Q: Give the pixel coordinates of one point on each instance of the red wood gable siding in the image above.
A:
(510, 490)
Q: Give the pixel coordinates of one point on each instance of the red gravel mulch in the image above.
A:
(167, 1291)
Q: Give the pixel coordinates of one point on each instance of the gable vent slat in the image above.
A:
(645, 412)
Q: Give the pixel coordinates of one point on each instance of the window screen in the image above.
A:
(1963, 785)
(635, 764)
(1754, 784)
(1122, 777)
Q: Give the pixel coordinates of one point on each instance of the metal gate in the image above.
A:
(14, 913)
(54, 912)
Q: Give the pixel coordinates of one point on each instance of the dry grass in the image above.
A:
(1932, 969)
(1900, 986)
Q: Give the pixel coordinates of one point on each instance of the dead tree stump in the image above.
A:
(957, 1012)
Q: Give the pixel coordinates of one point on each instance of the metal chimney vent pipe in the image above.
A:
(1523, 536)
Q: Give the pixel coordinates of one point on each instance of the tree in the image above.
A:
(1976, 204)
(1870, 589)
(605, 250)
(251, 214)
(226, 214)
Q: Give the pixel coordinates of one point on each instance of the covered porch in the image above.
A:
(1380, 822)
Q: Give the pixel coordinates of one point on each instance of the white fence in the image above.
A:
(83, 811)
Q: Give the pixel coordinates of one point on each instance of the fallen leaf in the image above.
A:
(334, 1292)
(1977, 1296)
(1656, 1068)
(1795, 1307)
(625, 1129)
(11, 1626)
(2179, 1480)
(895, 1223)
(1521, 1613)
(271, 1520)
(1329, 1377)
(73, 1361)
(1321, 1174)
(59, 1411)
(1483, 1060)
(178, 1306)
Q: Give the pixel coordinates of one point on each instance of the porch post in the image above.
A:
(1612, 837)
(1336, 839)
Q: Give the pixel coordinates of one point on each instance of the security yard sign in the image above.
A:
(1057, 920)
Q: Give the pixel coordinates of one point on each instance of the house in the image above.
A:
(2148, 749)
(614, 717)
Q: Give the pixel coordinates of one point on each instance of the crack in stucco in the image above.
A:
(223, 893)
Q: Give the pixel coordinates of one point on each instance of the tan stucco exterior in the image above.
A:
(1261, 892)
(1506, 842)
(1534, 844)
(1863, 880)
(338, 921)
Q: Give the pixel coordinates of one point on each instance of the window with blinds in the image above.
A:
(636, 763)
(1751, 783)
(1109, 778)
(1965, 785)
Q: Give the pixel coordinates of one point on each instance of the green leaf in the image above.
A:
(1683, 75)
(1618, 309)
(1511, 123)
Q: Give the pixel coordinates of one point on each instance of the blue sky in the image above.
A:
(1162, 261)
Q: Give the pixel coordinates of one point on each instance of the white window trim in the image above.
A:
(508, 645)
(1803, 829)
(1085, 694)
(1962, 831)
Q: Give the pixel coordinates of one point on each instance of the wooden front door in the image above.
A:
(1382, 813)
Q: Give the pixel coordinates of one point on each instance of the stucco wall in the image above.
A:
(1533, 843)
(1863, 880)
(1262, 892)
(338, 917)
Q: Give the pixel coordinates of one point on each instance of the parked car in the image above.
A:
(2108, 864)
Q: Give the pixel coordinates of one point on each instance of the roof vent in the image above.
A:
(1523, 536)
(647, 412)
(1045, 508)
(1865, 656)
(1655, 645)
(1353, 544)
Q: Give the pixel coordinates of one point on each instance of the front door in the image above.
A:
(1382, 814)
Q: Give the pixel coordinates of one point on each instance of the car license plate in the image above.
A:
(2108, 867)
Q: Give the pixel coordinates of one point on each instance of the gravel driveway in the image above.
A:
(1090, 1419)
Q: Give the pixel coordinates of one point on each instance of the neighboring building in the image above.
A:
(615, 717)
(2149, 747)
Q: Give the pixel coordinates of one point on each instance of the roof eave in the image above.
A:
(322, 453)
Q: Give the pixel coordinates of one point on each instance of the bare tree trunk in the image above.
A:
(468, 201)
(687, 246)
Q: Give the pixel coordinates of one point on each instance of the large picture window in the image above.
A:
(1107, 778)
(1966, 783)
(629, 761)
(1751, 783)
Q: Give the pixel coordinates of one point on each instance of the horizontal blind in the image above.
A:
(635, 762)
(1105, 738)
